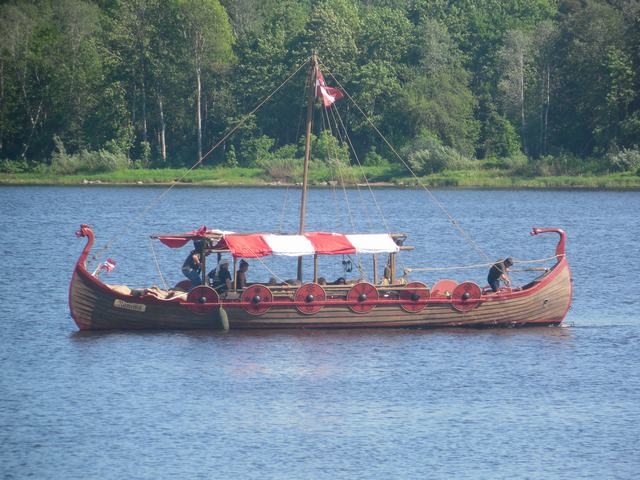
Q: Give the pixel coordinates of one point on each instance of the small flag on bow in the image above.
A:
(108, 265)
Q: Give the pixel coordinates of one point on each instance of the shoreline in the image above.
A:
(627, 182)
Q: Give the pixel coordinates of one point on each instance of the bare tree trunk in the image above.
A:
(34, 117)
(144, 108)
(523, 123)
(198, 112)
(547, 105)
(163, 130)
(1, 103)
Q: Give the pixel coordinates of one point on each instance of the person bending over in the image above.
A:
(499, 272)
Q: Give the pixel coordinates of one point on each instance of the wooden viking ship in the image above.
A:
(388, 300)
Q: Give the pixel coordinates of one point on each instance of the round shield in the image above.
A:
(202, 298)
(414, 297)
(466, 296)
(256, 299)
(362, 297)
(309, 298)
(443, 288)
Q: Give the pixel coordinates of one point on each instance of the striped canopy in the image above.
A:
(254, 245)
(260, 244)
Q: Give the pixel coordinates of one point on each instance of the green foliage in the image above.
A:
(288, 151)
(331, 32)
(374, 159)
(254, 151)
(231, 159)
(145, 155)
(438, 97)
(120, 80)
(330, 150)
(14, 166)
(426, 155)
(558, 165)
(516, 164)
(101, 161)
(595, 73)
(500, 138)
(286, 170)
(84, 161)
(626, 160)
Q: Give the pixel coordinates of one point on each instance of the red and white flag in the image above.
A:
(109, 265)
(328, 94)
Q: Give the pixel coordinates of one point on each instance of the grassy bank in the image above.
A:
(223, 177)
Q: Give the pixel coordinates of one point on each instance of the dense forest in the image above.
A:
(108, 84)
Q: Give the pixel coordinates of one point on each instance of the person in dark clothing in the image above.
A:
(191, 268)
(220, 278)
(499, 272)
(241, 275)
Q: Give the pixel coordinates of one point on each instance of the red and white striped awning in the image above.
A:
(259, 245)
(253, 245)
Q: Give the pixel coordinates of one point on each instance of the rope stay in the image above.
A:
(153, 203)
(340, 130)
(478, 265)
(157, 263)
(439, 204)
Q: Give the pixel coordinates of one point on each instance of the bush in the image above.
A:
(626, 160)
(231, 159)
(516, 162)
(288, 170)
(255, 150)
(329, 149)
(101, 161)
(501, 139)
(287, 151)
(426, 155)
(374, 159)
(14, 166)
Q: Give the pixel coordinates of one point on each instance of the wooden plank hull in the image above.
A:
(546, 305)
(96, 306)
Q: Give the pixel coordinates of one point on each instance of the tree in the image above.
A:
(53, 57)
(21, 104)
(500, 137)
(208, 40)
(438, 97)
(133, 24)
(385, 42)
(331, 32)
(545, 38)
(265, 61)
(513, 59)
(595, 76)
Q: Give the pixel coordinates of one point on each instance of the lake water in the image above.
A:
(541, 403)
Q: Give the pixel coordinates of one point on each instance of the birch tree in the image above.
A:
(208, 39)
(512, 61)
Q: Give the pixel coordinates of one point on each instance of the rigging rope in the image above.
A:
(453, 221)
(337, 118)
(243, 120)
(164, 193)
(330, 115)
(478, 265)
(282, 211)
(155, 259)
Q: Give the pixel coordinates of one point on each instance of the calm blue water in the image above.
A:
(552, 403)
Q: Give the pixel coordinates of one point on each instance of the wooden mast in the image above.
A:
(311, 95)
